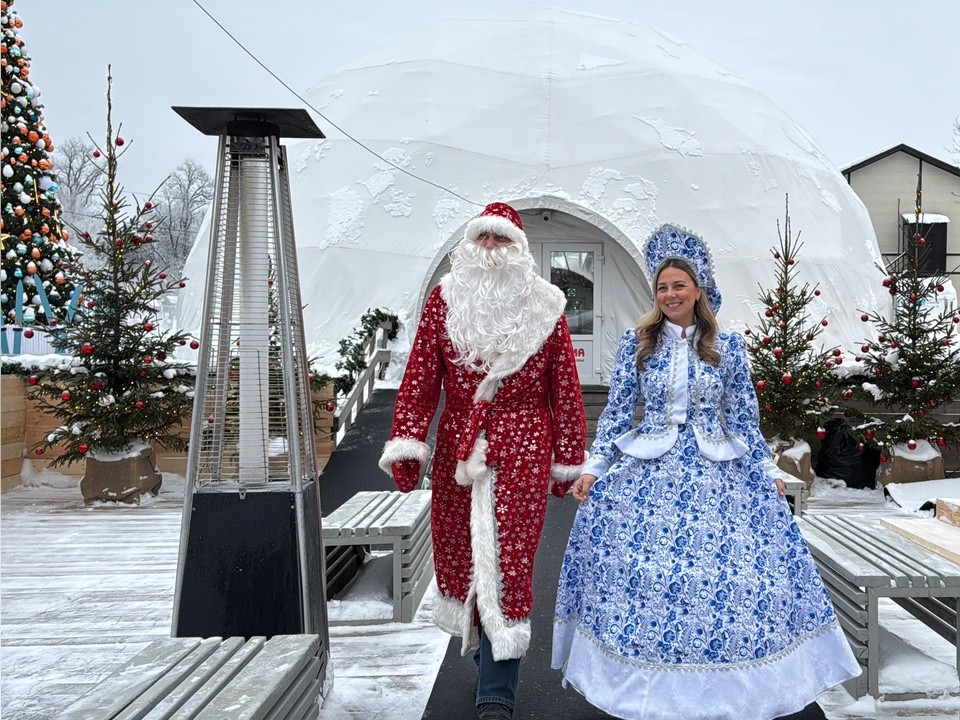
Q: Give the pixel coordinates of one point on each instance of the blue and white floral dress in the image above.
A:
(687, 591)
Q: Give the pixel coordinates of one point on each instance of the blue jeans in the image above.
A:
(498, 679)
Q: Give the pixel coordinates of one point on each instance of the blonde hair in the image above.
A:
(650, 328)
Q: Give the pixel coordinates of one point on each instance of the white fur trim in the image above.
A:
(565, 473)
(400, 449)
(448, 615)
(498, 226)
(508, 639)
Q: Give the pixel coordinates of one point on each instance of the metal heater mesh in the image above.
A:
(252, 415)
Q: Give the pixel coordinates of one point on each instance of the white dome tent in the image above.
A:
(599, 131)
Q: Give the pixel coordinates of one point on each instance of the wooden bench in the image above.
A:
(400, 521)
(797, 493)
(861, 562)
(211, 679)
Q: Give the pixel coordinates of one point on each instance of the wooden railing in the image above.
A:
(377, 356)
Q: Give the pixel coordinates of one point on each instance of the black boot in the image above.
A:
(494, 711)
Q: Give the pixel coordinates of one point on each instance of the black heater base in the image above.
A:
(241, 574)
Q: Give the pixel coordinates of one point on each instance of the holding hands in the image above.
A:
(581, 488)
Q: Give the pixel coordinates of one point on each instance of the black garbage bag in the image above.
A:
(839, 457)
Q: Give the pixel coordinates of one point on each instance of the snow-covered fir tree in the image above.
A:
(791, 371)
(117, 385)
(37, 284)
(911, 369)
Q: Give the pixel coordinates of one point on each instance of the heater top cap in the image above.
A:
(264, 122)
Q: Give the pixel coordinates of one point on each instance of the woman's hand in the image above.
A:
(581, 488)
(781, 488)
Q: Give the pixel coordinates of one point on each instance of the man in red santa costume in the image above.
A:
(494, 336)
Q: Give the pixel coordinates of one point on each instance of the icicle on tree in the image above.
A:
(911, 368)
(37, 286)
(792, 376)
(117, 388)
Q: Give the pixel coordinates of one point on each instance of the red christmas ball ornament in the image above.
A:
(939, 288)
(861, 447)
(768, 408)
(847, 394)
(809, 336)
(782, 325)
(39, 451)
(913, 297)
(311, 376)
(161, 355)
(776, 256)
(142, 374)
(95, 153)
(119, 243)
(138, 404)
(886, 282)
(30, 396)
(767, 340)
(787, 379)
(922, 412)
(65, 396)
(147, 205)
(776, 306)
(883, 458)
(941, 441)
(915, 383)
(33, 380)
(148, 238)
(210, 419)
(162, 276)
(147, 360)
(761, 385)
(83, 448)
(330, 407)
(90, 304)
(933, 403)
(791, 261)
(148, 326)
(821, 433)
(868, 434)
(922, 241)
(96, 386)
(183, 284)
(182, 341)
(945, 342)
(28, 333)
(194, 344)
(878, 371)
(818, 383)
(864, 317)
(893, 346)
(956, 318)
(911, 445)
(816, 292)
(836, 352)
(86, 349)
(864, 348)
(746, 331)
(777, 352)
(824, 322)
(893, 291)
(119, 141)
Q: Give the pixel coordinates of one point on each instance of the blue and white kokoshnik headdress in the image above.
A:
(672, 241)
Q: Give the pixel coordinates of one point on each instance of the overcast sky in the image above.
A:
(858, 75)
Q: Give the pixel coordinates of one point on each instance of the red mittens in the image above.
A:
(560, 489)
(406, 474)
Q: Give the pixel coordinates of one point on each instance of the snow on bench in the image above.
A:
(861, 562)
(397, 520)
(211, 679)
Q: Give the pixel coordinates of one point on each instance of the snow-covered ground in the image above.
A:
(83, 589)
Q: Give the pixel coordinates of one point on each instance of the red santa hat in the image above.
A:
(500, 219)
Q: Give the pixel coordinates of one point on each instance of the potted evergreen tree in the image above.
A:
(117, 391)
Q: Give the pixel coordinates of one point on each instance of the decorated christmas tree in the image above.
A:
(117, 388)
(37, 286)
(791, 374)
(911, 369)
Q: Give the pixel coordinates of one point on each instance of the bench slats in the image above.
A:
(219, 679)
(405, 515)
(117, 691)
(919, 564)
(262, 682)
(847, 563)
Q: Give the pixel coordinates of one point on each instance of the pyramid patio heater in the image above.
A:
(251, 554)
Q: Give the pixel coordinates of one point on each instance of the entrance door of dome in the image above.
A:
(576, 270)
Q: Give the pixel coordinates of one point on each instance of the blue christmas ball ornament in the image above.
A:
(18, 273)
(53, 186)
(21, 248)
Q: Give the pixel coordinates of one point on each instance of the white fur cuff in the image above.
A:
(565, 473)
(508, 640)
(400, 449)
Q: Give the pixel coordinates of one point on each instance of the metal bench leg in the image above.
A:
(873, 644)
(397, 579)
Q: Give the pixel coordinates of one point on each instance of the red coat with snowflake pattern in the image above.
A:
(489, 503)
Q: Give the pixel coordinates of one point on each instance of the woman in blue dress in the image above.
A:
(687, 590)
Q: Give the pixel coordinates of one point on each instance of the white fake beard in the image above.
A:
(486, 295)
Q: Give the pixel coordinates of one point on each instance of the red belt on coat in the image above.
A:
(476, 423)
